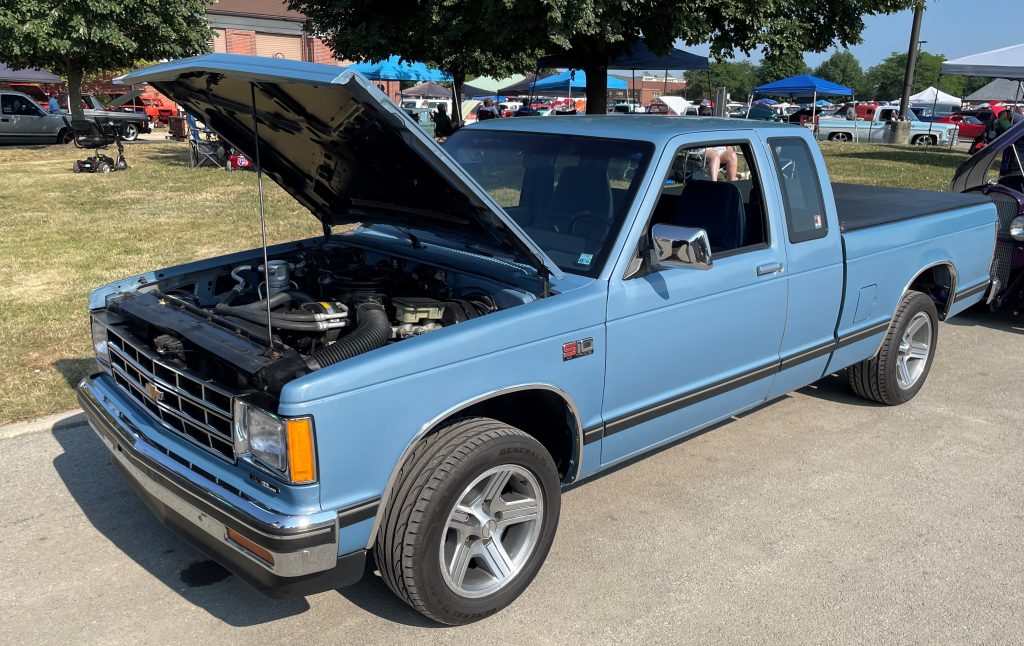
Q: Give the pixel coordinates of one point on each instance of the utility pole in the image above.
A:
(899, 132)
(908, 76)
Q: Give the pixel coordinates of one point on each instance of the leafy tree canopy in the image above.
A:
(843, 68)
(500, 36)
(885, 80)
(79, 37)
(777, 66)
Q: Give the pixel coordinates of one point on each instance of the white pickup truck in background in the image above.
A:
(922, 133)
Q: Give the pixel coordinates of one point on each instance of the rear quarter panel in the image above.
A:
(885, 260)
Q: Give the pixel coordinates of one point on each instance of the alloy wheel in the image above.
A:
(914, 349)
(491, 531)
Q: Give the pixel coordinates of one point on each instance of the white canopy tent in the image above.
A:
(935, 96)
(1006, 62)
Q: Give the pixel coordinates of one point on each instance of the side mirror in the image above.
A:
(682, 246)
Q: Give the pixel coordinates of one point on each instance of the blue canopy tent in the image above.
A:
(804, 85)
(392, 69)
(569, 80)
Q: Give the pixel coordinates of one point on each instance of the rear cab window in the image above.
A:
(801, 189)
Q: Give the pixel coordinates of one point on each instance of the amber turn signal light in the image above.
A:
(260, 552)
(301, 456)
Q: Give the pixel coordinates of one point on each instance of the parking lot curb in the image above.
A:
(56, 422)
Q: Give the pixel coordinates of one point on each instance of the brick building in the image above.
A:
(269, 28)
(646, 87)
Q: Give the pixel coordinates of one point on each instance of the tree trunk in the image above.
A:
(75, 93)
(597, 88)
(458, 80)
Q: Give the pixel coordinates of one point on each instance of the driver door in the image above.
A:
(686, 346)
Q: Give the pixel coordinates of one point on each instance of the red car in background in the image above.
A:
(970, 127)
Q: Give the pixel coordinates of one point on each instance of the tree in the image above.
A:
(778, 66)
(79, 37)
(885, 80)
(593, 31)
(501, 36)
(462, 38)
(843, 68)
(738, 78)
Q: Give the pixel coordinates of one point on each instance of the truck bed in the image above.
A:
(860, 207)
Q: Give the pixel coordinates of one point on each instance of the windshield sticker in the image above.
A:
(585, 259)
(817, 220)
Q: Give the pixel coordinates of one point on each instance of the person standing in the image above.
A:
(442, 122)
(53, 105)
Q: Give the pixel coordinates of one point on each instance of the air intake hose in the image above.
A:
(372, 331)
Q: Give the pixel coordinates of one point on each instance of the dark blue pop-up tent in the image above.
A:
(638, 57)
(7, 75)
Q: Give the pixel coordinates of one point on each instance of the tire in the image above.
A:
(131, 131)
(442, 488)
(76, 167)
(898, 371)
(923, 140)
(65, 136)
(103, 167)
(840, 136)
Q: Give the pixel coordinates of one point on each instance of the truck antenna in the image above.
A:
(263, 217)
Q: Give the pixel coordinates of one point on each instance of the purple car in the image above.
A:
(1001, 178)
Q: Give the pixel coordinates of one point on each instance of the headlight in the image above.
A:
(284, 446)
(1017, 228)
(99, 344)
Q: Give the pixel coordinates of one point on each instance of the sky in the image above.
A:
(954, 28)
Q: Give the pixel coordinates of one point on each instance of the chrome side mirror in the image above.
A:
(682, 246)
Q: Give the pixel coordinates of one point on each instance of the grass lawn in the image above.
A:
(64, 234)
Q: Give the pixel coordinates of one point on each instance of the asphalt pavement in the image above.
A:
(817, 519)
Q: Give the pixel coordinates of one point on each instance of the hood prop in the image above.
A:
(263, 219)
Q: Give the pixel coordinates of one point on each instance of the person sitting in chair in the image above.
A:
(716, 156)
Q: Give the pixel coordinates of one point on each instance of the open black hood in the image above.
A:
(342, 148)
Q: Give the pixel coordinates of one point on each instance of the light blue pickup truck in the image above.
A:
(538, 302)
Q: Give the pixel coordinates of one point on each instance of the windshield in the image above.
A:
(570, 194)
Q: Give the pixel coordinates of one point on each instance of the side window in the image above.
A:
(7, 104)
(801, 189)
(716, 188)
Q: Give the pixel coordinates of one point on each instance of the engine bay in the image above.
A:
(322, 305)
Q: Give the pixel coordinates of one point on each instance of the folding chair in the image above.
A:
(202, 151)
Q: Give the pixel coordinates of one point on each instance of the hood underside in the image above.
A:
(341, 147)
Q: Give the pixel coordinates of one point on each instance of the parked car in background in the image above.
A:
(131, 124)
(544, 300)
(969, 127)
(22, 121)
(997, 171)
(38, 94)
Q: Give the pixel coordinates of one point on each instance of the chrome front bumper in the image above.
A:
(304, 548)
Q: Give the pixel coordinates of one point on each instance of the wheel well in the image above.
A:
(938, 282)
(543, 414)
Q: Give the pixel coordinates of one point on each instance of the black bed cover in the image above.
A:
(860, 207)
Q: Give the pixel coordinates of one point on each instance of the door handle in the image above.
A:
(770, 268)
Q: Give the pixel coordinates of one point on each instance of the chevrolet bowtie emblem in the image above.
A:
(154, 392)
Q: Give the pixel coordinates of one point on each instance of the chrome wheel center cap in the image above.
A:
(488, 529)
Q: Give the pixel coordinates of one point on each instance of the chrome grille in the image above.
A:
(1007, 209)
(194, 408)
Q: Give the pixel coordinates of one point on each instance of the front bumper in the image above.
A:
(304, 548)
